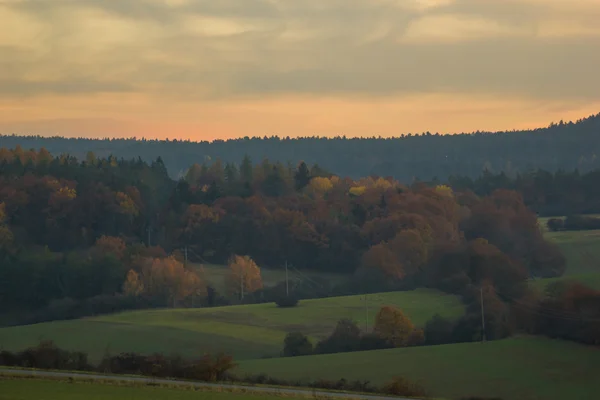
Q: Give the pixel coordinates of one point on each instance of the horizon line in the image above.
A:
(298, 138)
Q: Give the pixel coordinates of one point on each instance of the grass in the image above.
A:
(38, 389)
(525, 368)
(581, 248)
(591, 280)
(582, 251)
(247, 331)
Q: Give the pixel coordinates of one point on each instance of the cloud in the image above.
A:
(188, 50)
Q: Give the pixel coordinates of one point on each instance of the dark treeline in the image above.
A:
(547, 193)
(208, 368)
(423, 156)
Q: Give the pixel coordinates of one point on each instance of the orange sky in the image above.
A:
(205, 69)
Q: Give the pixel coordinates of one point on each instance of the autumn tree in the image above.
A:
(6, 235)
(133, 285)
(106, 245)
(243, 277)
(165, 279)
(319, 186)
(393, 325)
(402, 256)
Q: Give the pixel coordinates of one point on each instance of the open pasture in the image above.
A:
(246, 331)
(521, 368)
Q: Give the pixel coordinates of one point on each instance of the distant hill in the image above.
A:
(563, 145)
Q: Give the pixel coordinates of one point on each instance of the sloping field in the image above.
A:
(581, 248)
(525, 368)
(248, 331)
(582, 251)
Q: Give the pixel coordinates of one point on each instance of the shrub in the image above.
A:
(581, 222)
(371, 341)
(286, 301)
(438, 330)
(416, 338)
(297, 344)
(344, 338)
(555, 224)
(400, 386)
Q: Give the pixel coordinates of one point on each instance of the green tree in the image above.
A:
(297, 344)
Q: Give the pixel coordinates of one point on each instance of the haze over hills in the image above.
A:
(425, 156)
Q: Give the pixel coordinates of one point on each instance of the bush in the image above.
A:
(47, 355)
(371, 341)
(286, 301)
(581, 223)
(555, 224)
(297, 344)
(416, 338)
(400, 386)
(439, 330)
(344, 338)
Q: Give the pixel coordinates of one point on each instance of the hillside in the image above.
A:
(559, 146)
(526, 368)
(247, 331)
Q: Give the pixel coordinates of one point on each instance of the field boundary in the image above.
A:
(277, 391)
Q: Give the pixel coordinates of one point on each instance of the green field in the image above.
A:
(247, 331)
(526, 368)
(582, 251)
(591, 280)
(581, 248)
(34, 389)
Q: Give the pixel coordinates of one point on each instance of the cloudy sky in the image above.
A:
(206, 69)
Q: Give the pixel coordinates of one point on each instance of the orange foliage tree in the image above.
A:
(165, 278)
(394, 326)
(243, 277)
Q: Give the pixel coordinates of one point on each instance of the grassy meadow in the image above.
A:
(38, 389)
(582, 251)
(523, 368)
(246, 331)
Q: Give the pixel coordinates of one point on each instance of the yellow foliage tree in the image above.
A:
(126, 204)
(358, 190)
(243, 277)
(444, 190)
(320, 185)
(133, 286)
(393, 325)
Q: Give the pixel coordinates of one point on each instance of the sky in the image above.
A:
(217, 69)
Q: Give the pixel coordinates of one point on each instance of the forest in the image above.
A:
(104, 234)
(409, 157)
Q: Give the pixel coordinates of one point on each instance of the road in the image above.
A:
(116, 378)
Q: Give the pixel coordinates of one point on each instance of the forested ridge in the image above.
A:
(566, 146)
(95, 235)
